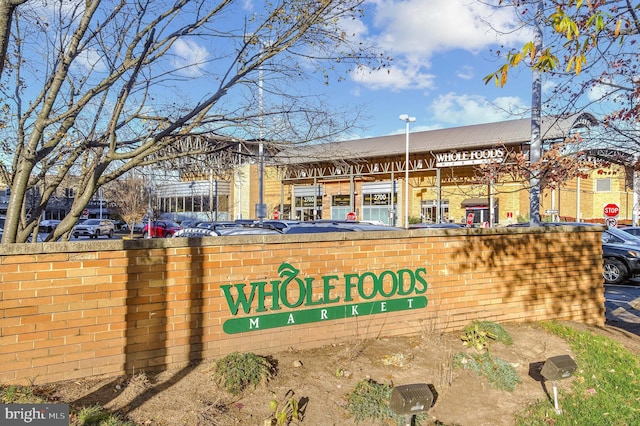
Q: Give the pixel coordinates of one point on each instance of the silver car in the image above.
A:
(94, 228)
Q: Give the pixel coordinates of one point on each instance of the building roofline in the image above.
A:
(506, 133)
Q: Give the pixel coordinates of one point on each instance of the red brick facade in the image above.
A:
(70, 310)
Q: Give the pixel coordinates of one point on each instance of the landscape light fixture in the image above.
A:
(407, 120)
(558, 368)
(411, 400)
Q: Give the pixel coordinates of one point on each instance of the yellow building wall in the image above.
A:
(512, 197)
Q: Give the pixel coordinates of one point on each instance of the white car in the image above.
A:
(94, 228)
(48, 226)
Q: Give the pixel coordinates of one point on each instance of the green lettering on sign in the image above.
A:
(327, 313)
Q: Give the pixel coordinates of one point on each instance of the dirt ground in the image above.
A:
(321, 379)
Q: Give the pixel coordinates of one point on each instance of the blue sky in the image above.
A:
(442, 51)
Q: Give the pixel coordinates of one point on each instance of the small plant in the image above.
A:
(501, 374)
(474, 337)
(283, 412)
(369, 400)
(236, 371)
(97, 416)
(478, 334)
(12, 394)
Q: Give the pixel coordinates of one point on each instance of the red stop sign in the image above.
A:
(611, 210)
(351, 216)
(276, 214)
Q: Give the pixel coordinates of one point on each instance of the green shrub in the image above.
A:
(478, 334)
(370, 401)
(414, 219)
(236, 371)
(501, 374)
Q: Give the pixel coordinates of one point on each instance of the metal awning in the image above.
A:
(478, 201)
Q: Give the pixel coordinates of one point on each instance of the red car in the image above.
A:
(160, 228)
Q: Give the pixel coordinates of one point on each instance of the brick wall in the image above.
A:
(77, 309)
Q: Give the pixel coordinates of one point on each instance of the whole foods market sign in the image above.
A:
(466, 158)
(377, 293)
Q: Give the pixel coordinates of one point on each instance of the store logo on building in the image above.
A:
(392, 290)
(466, 158)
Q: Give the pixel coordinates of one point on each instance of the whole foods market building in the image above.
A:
(367, 177)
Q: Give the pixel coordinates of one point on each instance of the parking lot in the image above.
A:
(622, 305)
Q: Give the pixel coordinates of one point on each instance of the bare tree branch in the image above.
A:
(116, 89)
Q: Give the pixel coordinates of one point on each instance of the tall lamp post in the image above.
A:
(261, 207)
(407, 120)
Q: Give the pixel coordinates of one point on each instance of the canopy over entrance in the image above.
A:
(477, 202)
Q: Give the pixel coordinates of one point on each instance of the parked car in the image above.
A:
(160, 228)
(189, 223)
(247, 230)
(205, 229)
(195, 233)
(40, 238)
(278, 224)
(137, 227)
(118, 224)
(354, 225)
(633, 230)
(94, 228)
(47, 226)
(312, 228)
(621, 262)
(217, 225)
(620, 252)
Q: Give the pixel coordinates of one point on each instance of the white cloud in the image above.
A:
(67, 8)
(452, 108)
(465, 72)
(91, 60)
(393, 78)
(426, 27)
(414, 31)
(189, 57)
(548, 86)
(247, 5)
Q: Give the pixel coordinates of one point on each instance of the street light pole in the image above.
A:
(261, 208)
(407, 120)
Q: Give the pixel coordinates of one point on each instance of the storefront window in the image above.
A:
(305, 207)
(378, 207)
(340, 206)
